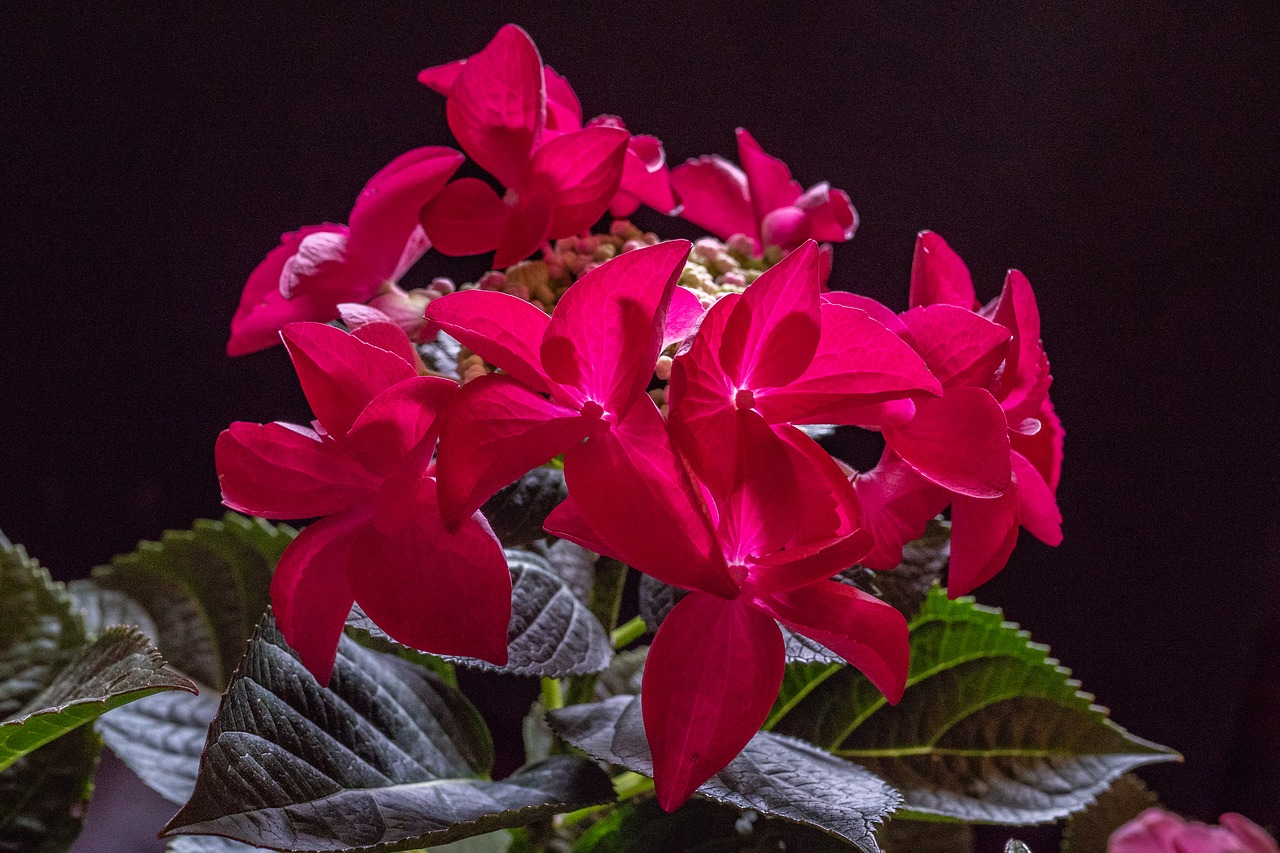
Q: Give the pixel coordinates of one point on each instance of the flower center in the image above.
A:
(592, 411)
(744, 399)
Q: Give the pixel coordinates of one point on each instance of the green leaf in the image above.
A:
(389, 757)
(209, 844)
(552, 634)
(776, 776)
(44, 795)
(517, 512)
(204, 589)
(119, 667)
(575, 565)
(1089, 831)
(701, 826)
(991, 729)
(623, 676)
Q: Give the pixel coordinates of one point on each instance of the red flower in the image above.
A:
(755, 553)
(1159, 831)
(319, 266)
(558, 184)
(366, 468)
(568, 377)
(760, 200)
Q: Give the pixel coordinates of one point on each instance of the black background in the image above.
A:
(1123, 158)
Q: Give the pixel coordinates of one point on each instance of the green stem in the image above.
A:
(552, 694)
(606, 599)
(625, 786)
(628, 632)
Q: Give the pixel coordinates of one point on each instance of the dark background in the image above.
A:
(1122, 158)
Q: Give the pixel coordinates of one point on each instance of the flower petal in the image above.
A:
(877, 310)
(397, 431)
(938, 275)
(580, 171)
(440, 78)
(645, 178)
(773, 332)
(1023, 379)
(831, 215)
(868, 633)
(632, 491)
(564, 111)
(263, 312)
(684, 315)
(960, 347)
(440, 592)
(1037, 507)
(386, 211)
(504, 330)
(783, 571)
(959, 441)
(465, 218)
(711, 677)
(497, 105)
(983, 533)
(1044, 449)
(385, 334)
(528, 226)
(340, 373)
(713, 195)
(283, 471)
(858, 363)
(896, 504)
(310, 597)
(768, 178)
(496, 430)
(606, 331)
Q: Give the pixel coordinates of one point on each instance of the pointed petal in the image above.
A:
(1026, 366)
(960, 347)
(768, 178)
(645, 176)
(386, 211)
(896, 504)
(564, 111)
(465, 218)
(497, 106)
(983, 533)
(831, 505)
(712, 674)
(283, 471)
(959, 441)
(440, 592)
(858, 363)
(867, 632)
(580, 171)
(938, 275)
(397, 431)
(786, 570)
(502, 329)
(761, 506)
(877, 310)
(310, 597)
(605, 333)
(528, 226)
(631, 473)
(1037, 507)
(1044, 449)
(773, 332)
(684, 315)
(386, 335)
(440, 78)
(340, 373)
(263, 311)
(495, 431)
(713, 195)
(831, 215)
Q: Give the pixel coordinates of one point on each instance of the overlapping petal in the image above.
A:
(467, 217)
(896, 505)
(772, 334)
(399, 426)
(960, 347)
(983, 533)
(959, 441)
(713, 195)
(504, 330)
(582, 170)
(385, 214)
(938, 275)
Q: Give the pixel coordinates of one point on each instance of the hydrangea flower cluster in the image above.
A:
(671, 378)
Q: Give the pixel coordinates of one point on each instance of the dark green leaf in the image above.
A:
(575, 565)
(102, 608)
(776, 776)
(44, 795)
(203, 588)
(702, 826)
(118, 667)
(990, 729)
(209, 844)
(922, 563)
(1088, 831)
(622, 678)
(919, 836)
(160, 739)
(389, 757)
(551, 633)
(1013, 845)
(517, 512)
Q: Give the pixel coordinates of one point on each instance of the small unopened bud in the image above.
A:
(786, 227)
(443, 286)
(632, 245)
(406, 310)
(531, 274)
(493, 280)
(604, 252)
(516, 289)
(733, 278)
(662, 369)
(741, 244)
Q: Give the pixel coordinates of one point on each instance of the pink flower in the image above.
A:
(319, 266)
(757, 552)
(760, 200)
(1159, 831)
(558, 183)
(366, 468)
(995, 406)
(781, 354)
(569, 377)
